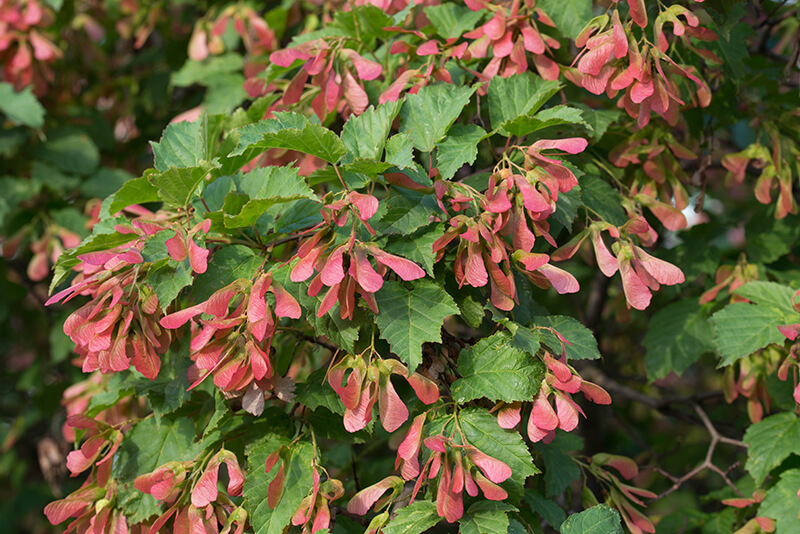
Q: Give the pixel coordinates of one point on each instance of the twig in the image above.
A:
(716, 438)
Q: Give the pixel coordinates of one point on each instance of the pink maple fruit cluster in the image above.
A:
(559, 383)
(26, 50)
(206, 507)
(46, 249)
(613, 59)
(512, 32)
(641, 273)
(329, 67)
(119, 325)
(772, 164)
(512, 205)
(239, 318)
(344, 269)
(451, 466)
(758, 523)
(332, 75)
(659, 186)
(622, 496)
(92, 505)
(369, 382)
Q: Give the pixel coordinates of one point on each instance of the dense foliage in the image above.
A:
(509, 266)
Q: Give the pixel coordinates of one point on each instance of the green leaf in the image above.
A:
(600, 120)
(406, 211)
(554, 116)
(136, 191)
(546, 508)
(221, 414)
(768, 294)
(293, 132)
(415, 518)
(265, 187)
(182, 145)
(21, 107)
(70, 152)
(365, 135)
(768, 238)
(226, 265)
(482, 431)
(256, 484)
(603, 199)
(600, 519)
(331, 325)
(193, 72)
(583, 345)
(167, 278)
(676, 337)
(452, 20)
(459, 148)
(741, 329)
(400, 151)
(567, 207)
(781, 503)
(569, 16)
(428, 115)
(329, 425)
(732, 47)
(559, 467)
(486, 517)
(147, 446)
(770, 442)
(494, 369)
(516, 96)
(365, 23)
(409, 318)
(176, 186)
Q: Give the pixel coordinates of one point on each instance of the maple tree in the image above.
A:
(370, 266)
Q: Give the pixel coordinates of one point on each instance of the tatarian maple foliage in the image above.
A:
(360, 280)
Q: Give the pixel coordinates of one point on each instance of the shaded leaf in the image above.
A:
(677, 336)
(167, 278)
(602, 199)
(559, 467)
(569, 16)
(452, 20)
